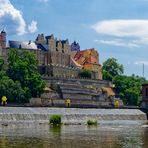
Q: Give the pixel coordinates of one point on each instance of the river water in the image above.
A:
(73, 136)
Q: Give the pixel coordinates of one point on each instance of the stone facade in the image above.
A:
(57, 51)
(59, 71)
(144, 96)
(3, 39)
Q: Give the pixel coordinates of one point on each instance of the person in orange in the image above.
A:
(4, 100)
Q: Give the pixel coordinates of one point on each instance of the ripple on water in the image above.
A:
(101, 136)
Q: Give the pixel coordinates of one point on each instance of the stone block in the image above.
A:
(35, 102)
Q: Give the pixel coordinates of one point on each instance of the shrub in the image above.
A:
(92, 122)
(55, 120)
(85, 73)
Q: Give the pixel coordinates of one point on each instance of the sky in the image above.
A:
(115, 28)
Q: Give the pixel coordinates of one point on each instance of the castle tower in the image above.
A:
(66, 46)
(3, 39)
(40, 39)
(51, 42)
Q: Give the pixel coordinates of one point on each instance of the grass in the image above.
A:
(92, 122)
(55, 120)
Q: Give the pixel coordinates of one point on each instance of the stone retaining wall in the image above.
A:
(70, 115)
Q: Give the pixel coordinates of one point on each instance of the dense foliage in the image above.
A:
(20, 80)
(127, 87)
(11, 89)
(85, 73)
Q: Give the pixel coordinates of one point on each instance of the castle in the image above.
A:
(60, 64)
(57, 58)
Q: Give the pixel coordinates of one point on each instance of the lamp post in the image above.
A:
(143, 69)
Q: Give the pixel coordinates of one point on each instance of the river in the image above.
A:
(73, 136)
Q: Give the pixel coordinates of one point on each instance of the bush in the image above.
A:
(85, 73)
(55, 120)
(92, 122)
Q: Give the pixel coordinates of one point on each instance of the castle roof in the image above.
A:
(49, 37)
(87, 57)
(23, 45)
(43, 46)
(75, 46)
(64, 42)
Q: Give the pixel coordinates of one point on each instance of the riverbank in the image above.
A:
(70, 115)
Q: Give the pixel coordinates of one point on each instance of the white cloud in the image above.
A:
(11, 18)
(118, 42)
(32, 27)
(141, 63)
(124, 29)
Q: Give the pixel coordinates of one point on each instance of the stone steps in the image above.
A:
(77, 89)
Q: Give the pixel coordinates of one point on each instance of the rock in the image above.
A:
(35, 102)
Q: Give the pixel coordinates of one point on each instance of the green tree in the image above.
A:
(11, 89)
(1, 64)
(129, 88)
(111, 68)
(22, 67)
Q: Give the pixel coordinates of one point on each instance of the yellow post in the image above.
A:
(4, 100)
(68, 103)
(116, 104)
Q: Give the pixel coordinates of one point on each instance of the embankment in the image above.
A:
(70, 115)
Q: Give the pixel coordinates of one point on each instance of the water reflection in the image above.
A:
(55, 130)
(44, 136)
